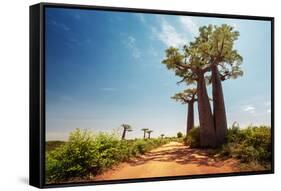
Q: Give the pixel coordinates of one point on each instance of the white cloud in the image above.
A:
(130, 42)
(189, 25)
(249, 108)
(168, 34)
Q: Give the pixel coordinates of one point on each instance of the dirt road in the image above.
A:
(172, 159)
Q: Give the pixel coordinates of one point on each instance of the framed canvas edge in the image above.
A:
(35, 97)
(40, 92)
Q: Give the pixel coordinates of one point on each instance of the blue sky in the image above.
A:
(104, 69)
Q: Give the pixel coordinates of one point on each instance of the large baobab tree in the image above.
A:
(149, 132)
(215, 45)
(162, 136)
(187, 97)
(188, 65)
(144, 132)
(212, 51)
(126, 128)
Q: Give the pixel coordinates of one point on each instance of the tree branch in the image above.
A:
(207, 68)
(184, 78)
(223, 77)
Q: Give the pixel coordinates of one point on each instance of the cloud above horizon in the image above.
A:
(189, 25)
(130, 43)
(249, 108)
(168, 34)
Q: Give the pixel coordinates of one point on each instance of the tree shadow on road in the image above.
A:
(181, 155)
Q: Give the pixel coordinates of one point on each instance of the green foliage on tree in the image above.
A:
(186, 96)
(215, 45)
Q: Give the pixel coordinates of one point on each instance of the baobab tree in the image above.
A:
(149, 132)
(126, 128)
(215, 45)
(187, 97)
(144, 132)
(212, 51)
(188, 65)
(162, 136)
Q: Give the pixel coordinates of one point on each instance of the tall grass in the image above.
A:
(86, 154)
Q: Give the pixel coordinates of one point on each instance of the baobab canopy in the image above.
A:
(185, 96)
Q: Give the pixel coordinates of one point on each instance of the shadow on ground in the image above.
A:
(181, 155)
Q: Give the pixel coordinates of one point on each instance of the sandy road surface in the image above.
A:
(172, 159)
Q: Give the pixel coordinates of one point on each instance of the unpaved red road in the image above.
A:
(172, 159)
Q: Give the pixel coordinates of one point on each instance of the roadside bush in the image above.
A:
(179, 135)
(86, 154)
(252, 144)
(76, 157)
(193, 138)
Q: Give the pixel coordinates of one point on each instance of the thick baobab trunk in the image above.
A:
(207, 129)
(144, 134)
(190, 117)
(218, 106)
(124, 134)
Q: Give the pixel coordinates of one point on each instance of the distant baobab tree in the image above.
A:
(162, 136)
(126, 128)
(149, 132)
(187, 97)
(144, 132)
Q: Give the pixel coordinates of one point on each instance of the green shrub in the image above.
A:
(179, 135)
(86, 154)
(193, 138)
(252, 144)
(74, 158)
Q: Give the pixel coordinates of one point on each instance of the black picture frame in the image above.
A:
(37, 93)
